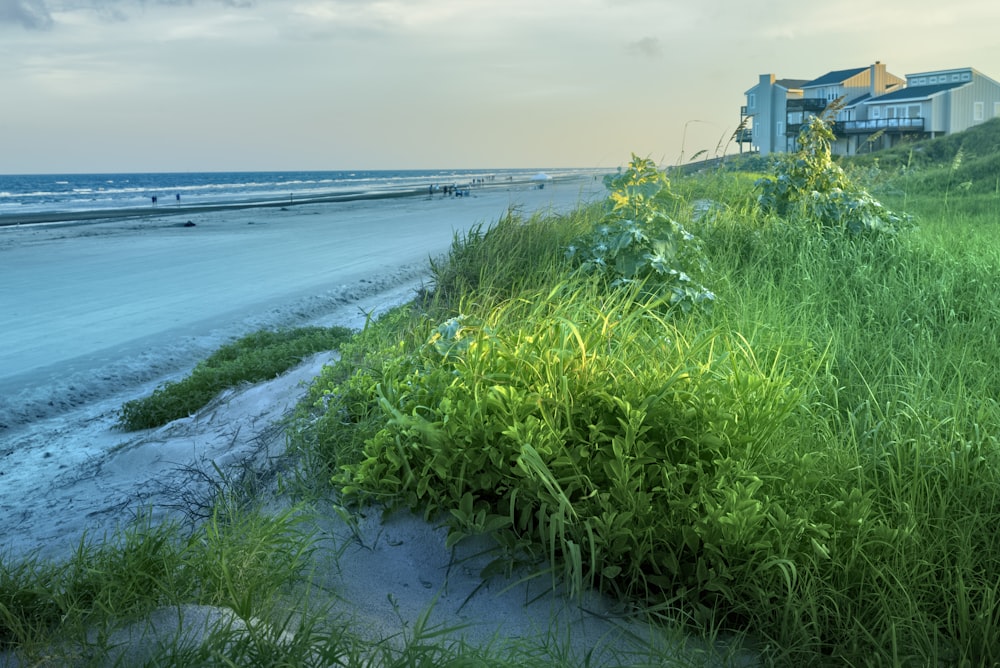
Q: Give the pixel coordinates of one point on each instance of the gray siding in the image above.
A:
(963, 103)
(768, 112)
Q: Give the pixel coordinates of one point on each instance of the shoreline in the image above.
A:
(78, 290)
(80, 217)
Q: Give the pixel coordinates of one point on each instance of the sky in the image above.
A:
(249, 85)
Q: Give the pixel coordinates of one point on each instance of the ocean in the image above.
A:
(33, 194)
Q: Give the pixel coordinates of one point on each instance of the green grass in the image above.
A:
(65, 611)
(254, 358)
(907, 401)
(814, 462)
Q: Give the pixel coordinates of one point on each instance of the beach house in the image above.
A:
(875, 109)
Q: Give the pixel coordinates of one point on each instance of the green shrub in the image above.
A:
(589, 426)
(637, 242)
(810, 188)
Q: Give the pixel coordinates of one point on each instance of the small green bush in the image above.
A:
(637, 242)
(810, 188)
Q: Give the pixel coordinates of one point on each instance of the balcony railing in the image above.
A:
(744, 136)
(887, 124)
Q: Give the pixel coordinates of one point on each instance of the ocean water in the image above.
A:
(45, 193)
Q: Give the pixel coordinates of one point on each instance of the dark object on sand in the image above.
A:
(189, 224)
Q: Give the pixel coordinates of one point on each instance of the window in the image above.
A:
(966, 76)
(955, 77)
(903, 111)
(876, 112)
(752, 101)
(977, 111)
(932, 80)
(781, 128)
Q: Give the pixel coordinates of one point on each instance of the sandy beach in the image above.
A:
(100, 313)
(152, 295)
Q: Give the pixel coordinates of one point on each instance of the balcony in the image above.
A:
(876, 124)
(744, 136)
(807, 104)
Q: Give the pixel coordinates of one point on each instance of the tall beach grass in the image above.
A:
(814, 462)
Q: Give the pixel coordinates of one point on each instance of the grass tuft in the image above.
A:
(256, 357)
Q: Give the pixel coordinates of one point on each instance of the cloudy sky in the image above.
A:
(204, 85)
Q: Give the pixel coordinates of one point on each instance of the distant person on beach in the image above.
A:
(154, 200)
(178, 197)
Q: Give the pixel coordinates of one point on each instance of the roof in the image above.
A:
(858, 100)
(791, 83)
(836, 77)
(787, 84)
(918, 92)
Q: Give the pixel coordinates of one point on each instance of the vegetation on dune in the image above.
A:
(254, 358)
(979, 141)
(241, 560)
(965, 163)
(813, 462)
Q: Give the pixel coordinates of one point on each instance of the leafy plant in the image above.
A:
(810, 188)
(636, 241)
